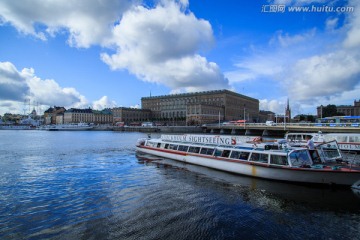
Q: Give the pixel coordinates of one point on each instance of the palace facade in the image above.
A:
(202, 107)
(75, 115)
(130, 115)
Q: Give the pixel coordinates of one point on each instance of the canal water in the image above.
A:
(93, 185)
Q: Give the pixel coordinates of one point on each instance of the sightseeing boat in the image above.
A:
(275, 161)
(348, 142)
(67, 127)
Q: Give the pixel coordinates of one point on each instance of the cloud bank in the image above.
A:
(87, 22)
(160, 44)
(16, 87)
(312, 68)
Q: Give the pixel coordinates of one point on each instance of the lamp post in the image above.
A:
(285, 119)
(219, 119)
(244, 117)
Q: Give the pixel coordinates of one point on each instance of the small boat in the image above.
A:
(67, 127)
(349, 142)
(273, 161)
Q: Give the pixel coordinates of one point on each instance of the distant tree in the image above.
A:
(329, 111)
(310, 118)
(302, 117)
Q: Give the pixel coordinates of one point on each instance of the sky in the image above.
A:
(111, 53)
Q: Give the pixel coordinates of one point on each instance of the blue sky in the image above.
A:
(92, 53)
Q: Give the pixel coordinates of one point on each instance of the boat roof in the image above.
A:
(243, 146)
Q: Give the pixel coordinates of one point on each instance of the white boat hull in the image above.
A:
(301, 175)
(70, 129)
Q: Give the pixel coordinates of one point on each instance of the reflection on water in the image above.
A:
(71, 185)
(315, 196)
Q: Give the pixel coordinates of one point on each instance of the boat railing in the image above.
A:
(351, 158)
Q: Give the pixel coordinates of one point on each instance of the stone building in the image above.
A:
(76, 115)
(202, 107)
(51, 115)
(104, 116)
(347, 110)
(130, 115)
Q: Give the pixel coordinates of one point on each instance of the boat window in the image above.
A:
(183, 148)
(354, 139)
(239, 155)
(259, 157)
(207, 151)
(235, 154)
(341, 138)
(278, 160)
(194, 149)
(210, 151)
(150, 144)
(244, 155)
(218, 152)
(226, 153)
(329, 138)
(300, 158)
(173, 146)
(291, 138)
(166, 146)
(158, 145)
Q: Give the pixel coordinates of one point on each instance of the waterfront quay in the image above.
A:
(255, 129)
(261, 129)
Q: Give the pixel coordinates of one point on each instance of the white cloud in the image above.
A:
(312, 68)
(18, 87)
(12, 83)
(330, 74)
(88, 22)
(162, 45)
(352, 39)
(137, 106)
(272, 105)
(48, 91)
(322, 76)
(271, 61)
(286, 40)
(103, 102)
(331, 24)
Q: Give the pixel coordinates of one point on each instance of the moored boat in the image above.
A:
(275, 161)
(67, 127)
(349, 142)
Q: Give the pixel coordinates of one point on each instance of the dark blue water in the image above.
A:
(92, 185)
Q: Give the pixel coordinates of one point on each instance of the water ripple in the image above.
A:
(91, 185)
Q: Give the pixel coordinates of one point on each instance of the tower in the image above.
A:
(288, 111)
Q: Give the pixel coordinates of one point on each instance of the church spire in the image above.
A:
(288, 110)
